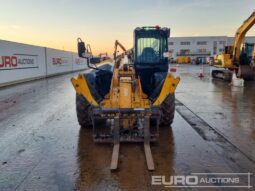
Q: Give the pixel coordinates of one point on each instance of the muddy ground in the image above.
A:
(43, 148)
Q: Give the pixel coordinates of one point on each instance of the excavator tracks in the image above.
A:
(225, 75)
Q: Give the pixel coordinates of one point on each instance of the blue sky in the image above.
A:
(58, 23)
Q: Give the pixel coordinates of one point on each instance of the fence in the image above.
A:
(22, 62)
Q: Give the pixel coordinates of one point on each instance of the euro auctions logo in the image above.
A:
(18, 61)
(56, 61)
(60, 61)
(205, 180)
(79, 61)
(9, 62)
(175, 181)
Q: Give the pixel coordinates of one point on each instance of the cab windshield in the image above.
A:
(150, 50)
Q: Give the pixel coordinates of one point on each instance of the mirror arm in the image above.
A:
(83, 55)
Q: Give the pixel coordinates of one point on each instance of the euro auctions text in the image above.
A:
(206, 180)
(18, 61)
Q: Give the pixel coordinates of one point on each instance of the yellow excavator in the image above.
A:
(127, 102)
(239, 57)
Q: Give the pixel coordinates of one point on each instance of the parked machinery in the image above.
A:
(238, 57)
(183, 60)
(101, 58)
(130, 102)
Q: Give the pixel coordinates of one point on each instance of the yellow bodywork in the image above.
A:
(183, 59)
(223, 61)
(169, 87)
(231, 57)
(126, 90)
(81, 86)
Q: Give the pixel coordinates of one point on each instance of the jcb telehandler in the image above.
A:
(129, 101)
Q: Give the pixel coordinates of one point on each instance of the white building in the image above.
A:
(200, 47)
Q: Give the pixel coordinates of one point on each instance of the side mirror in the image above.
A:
(81, 48)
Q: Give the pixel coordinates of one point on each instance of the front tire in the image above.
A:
(168, 109)
(83, 110)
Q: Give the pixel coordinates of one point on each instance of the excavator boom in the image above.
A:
(239, 37)
(234, 59)
(116, 45)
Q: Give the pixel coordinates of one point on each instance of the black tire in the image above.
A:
(83, 112)
(168, 109)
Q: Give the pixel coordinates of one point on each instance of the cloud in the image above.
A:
(11, 27)
(15, 27)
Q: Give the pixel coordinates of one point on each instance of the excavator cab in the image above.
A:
(246, 54)
(150, 44)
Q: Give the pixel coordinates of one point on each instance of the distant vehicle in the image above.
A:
(183, 60)
(238, 57)
(210, 61)
(96, 59)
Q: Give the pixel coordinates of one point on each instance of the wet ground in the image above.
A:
(43, 148)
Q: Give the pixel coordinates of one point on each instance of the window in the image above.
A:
(201, 43)
(221, 49)
(214, 47)
(214, 50)
(202, 50)
(150, 50)
(185, 43)
(222, 42)
(184, 51)
(170, 43)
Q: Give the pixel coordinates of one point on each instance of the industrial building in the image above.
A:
(200, 47)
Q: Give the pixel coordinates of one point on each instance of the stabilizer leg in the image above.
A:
(147, 148)
(116, 147)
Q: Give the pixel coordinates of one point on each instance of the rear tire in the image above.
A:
(83, 110)
(168, 109)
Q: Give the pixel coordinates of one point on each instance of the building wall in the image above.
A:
(206, 46)
(22, 62)
(249, 39)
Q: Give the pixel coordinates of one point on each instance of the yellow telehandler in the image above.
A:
(129, 100)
